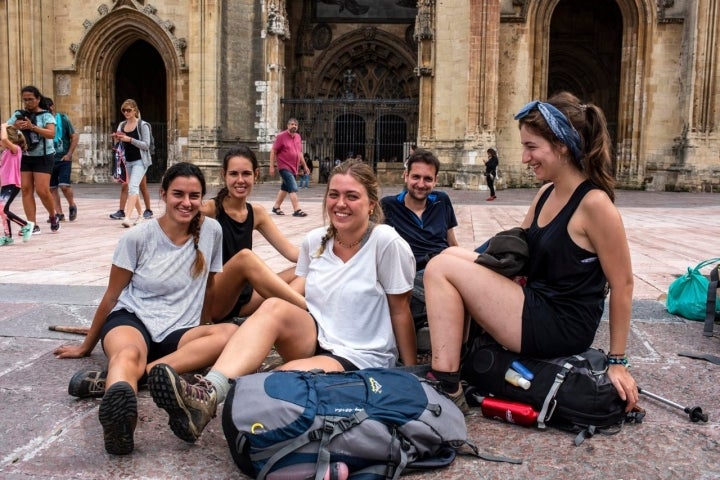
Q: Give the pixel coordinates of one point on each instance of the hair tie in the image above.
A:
(196, 245)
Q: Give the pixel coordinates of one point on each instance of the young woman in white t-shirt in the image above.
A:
(358, 276)
(153, 307)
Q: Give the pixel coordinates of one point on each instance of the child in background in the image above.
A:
(14, 144)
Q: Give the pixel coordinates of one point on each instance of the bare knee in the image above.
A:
(128, 355)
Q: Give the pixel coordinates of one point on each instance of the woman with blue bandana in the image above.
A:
(577, 248)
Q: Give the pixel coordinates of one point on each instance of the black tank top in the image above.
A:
(560, 270)
(236, 235)
(132, 152)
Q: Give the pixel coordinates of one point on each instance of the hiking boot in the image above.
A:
(73, 212)
(190, 407)
(88, 383)
(27, 231)
(119, 215)
(6, 241)
(458, 397)
(118, 417)
(147, 214)
(36, 230)
(55, 223)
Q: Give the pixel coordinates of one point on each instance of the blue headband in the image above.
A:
(558, 123)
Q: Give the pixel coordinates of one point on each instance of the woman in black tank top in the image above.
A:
(577, 247)
(246, 280)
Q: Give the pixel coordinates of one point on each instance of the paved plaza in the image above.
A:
(59, 279)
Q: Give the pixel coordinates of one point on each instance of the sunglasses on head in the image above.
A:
(126, 110)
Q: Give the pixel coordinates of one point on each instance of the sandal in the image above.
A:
(299, 213)
(277, 211)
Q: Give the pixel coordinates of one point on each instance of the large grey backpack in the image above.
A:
(377, 422)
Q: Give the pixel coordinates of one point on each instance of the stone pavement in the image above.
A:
(60, 278)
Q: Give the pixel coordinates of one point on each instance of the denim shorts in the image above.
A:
(61, 174)
(288, 181)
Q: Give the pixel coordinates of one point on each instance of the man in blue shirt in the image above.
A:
(426, 220)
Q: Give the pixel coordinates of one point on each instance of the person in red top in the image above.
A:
(287, 154)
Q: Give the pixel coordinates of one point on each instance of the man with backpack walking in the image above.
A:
(66, 140)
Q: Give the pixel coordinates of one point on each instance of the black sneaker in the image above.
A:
(147, 214)
(73, 212)
(118, 417)
(60, 217)
(88, 383)
(36, 230)
(119, 215)
(55, 223)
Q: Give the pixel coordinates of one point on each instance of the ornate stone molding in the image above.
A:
(277, 21)
(180, 44)
(424, 23)
(514, 11)
(665, 12)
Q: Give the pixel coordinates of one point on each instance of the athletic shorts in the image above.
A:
(243, 299)
(60, 176)
(549, 332)
(41, 164)
(347, 365)
(288, 181)
(156, 350)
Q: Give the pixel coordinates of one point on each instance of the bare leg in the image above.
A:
(494, 301)
(198, 348)
(290, 328)
(127, 354)
(69, 195)
(133, 202)
(280, 199)
(42, 187)
(123, 195)
(246, 267)
(294, 201)
(145, 194)
(27, 188)
(56, 200)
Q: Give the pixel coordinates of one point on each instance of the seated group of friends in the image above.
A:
(177, 282)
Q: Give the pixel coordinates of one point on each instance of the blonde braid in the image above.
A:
(323, 243)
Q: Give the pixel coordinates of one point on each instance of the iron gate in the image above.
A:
(379, 130)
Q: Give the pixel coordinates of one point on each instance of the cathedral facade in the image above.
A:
(373, 77)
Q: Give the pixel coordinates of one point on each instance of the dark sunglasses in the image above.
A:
(126, 110)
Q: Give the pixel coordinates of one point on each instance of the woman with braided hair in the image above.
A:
(152, 309)
(357, 275)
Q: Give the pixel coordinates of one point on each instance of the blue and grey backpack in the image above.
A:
(377, 422)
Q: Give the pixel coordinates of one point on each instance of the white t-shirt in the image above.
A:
(162, 292)
(348, 300)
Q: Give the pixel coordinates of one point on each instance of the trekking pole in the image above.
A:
(696, 413)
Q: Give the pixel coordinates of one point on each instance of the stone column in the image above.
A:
(703, 135)
(204, 58)
(425, 35)
(272, 88)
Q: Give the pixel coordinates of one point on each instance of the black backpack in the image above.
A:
(572, 393)
(32, 139)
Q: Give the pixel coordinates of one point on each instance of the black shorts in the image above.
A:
(347, 365)
(41, 164)
(548, 332)
(156, 350)
(243, 299)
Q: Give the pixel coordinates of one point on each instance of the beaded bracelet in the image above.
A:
(618, 361)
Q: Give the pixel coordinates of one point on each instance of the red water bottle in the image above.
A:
(507, 411)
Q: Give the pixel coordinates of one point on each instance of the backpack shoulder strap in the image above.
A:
(710, 305)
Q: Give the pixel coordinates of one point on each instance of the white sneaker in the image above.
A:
(126, 222)
(139, 220)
